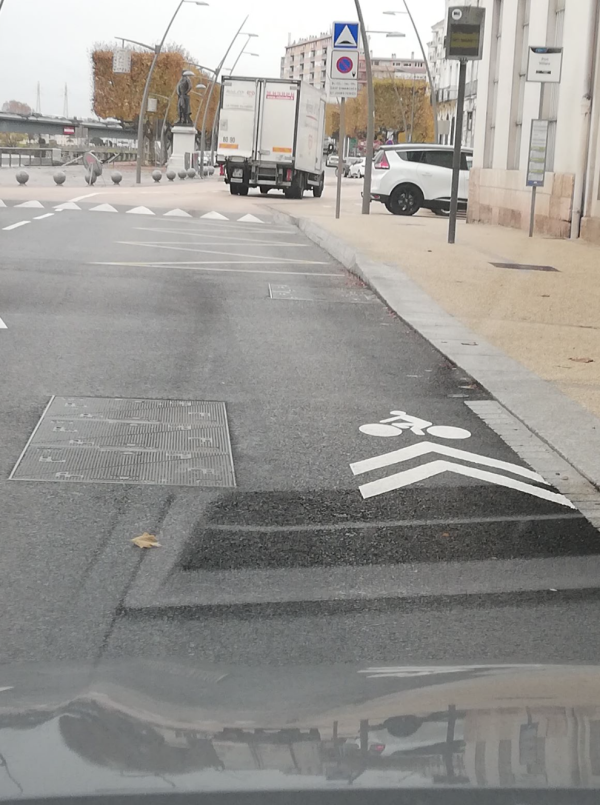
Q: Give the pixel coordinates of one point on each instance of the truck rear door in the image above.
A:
(278, 122)
(239, 118)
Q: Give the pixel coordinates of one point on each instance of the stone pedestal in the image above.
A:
(184, 142)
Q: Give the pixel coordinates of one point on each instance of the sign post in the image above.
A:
(343, 83)
(464, 42)
(544, 67)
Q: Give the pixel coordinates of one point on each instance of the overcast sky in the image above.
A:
(49, 40)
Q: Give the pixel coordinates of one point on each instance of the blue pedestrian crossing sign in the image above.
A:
(345, 35)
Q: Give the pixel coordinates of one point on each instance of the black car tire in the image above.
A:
(402, 726)
(406, 199)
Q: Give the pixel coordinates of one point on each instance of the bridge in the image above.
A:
(40, 124)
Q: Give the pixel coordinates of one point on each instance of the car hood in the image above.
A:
(159, 725)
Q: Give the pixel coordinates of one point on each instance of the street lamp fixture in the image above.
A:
(420, 41)
(142, 115)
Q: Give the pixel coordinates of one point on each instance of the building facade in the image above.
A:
(569, 203)
(306, 60)
(444, 73)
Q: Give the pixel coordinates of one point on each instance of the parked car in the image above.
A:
(357, 170)
(348, 163)
(409, 176)
(332, 161)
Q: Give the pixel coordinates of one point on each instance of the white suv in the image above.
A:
(410, 176)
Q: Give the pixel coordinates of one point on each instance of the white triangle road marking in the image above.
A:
(103, 208)
(3, 325)
(252, 219)
(68, 205)
(216, 216)
(177, 214)
(140, 211)
(30, 204)
(432, 468)
(422, 448)
(2, 204)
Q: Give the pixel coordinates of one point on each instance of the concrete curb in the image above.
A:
(563, 424)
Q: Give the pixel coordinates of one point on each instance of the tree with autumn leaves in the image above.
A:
(393, 111)
(119, 95)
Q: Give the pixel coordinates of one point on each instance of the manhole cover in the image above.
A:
(306, 293)
(524, 267)
(103, 440)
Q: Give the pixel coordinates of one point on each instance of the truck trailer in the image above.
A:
(271, 134)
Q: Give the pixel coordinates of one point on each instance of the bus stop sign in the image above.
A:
(465, 32)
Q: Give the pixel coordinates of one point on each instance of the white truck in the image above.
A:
(271, 134)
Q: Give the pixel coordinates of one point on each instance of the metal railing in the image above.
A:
(37, 156)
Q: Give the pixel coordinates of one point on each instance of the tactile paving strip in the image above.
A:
(106, 440)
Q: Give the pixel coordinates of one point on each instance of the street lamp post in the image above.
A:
(210, 92)
(366, 202)
(157, 51)
(425, 59)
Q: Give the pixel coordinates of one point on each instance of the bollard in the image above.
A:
(171, 175)
(116, 177)
(182, 174)
(191, 173)
(22, 177)
(60, 177)
(157, 175)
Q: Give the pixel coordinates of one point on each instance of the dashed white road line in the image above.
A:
(15, 226)
(46, 215)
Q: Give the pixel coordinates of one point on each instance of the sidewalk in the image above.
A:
(530, 337)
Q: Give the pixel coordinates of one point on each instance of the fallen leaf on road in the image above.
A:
(582, 360)
(146, 541)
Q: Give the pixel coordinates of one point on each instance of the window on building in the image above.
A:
(519, 84)
(556, 27)
(488, 151)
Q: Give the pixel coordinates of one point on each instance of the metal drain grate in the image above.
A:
(304, 293)
(524, 267)
(104, 440)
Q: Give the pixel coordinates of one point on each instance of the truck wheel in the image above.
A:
(406, 199)
(234, 189)
(318, 189)
(296, 191)
(243, 190)
(264, 190)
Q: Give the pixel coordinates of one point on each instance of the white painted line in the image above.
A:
(46, 215)
(16, 226)
(3, 325)
(140, 211)
(250, 219)
(35, 430)
(432, 468)
(80, 198)
(177, 214)
(232, 242)
(201, 267)
(2, 204)
(201, 231)
(103, 208)
(231, 254)
(216, 216)
(31, 205)
(423, 448)
(68, 205)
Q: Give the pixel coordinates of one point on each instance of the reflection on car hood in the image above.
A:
(160, 725)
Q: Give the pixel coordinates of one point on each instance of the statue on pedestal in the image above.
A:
(184, 87)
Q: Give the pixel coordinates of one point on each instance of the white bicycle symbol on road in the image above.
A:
(401, 421)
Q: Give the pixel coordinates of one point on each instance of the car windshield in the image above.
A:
(300, 395)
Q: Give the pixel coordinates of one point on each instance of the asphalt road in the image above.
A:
(292, 556)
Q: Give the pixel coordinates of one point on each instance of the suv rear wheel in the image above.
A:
(406, 199)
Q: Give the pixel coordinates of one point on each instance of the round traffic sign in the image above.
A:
(344, 64)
